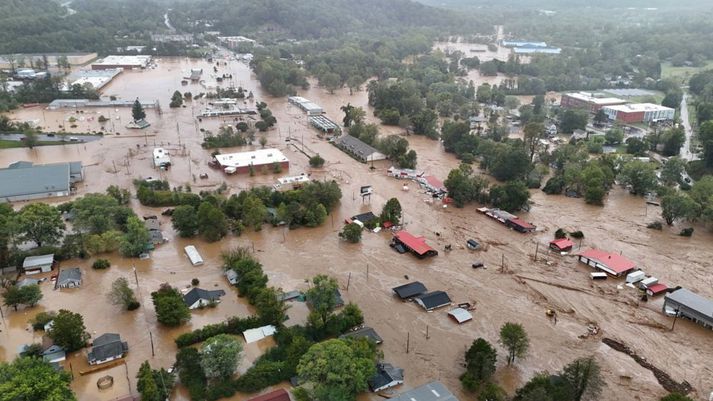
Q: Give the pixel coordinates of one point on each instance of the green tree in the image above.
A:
(614, 136)
(532, 133)
(254, 212)
(269, 305)
(672, 99)
(322, 296)
(68, 331)
(480, 361)
(511, 102)
(514, 339)
(176, 100)
(672, 171)
(338, 369)
(212, 224)
(463, 186)
(637, 147)
(185, 220)
(673, 139)
(122, 294)
(28, 295)
(594, 182)
(492, 392)
(316, 161)
(41, 223)
(705, 136)
(12, 297)
(169, 306)
(146, 384)
(351, 233)
(330, 81)
(424, 123)
(600, 117)
(572, 120)
(32, 379)
(137, 111)
(544, 387)
(30, 139)
(136, 238)
(678, 206)
(640, 175)
(220, 356)
(511, 196)
(583, 376)
(391, 211)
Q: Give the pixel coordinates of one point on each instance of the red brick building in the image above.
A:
(591, 102)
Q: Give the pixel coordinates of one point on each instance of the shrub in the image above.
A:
(101, 264)
(560, 233)
(686, 232)
(195, 282)
(576, 234)
(316, 161)
(42, 318)
(656, 225)
(133, 305)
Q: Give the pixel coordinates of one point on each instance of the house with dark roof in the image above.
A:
(364, 332)
(69, 278)
(387, 376)
(433, 300)
(610, 263)
(433, 391)
(106, 348)
(365, 218)
(26, 181)
(358, 149)
(688, 304)
(410, 290)
(198, 297)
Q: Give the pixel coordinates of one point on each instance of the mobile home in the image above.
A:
(193, 255)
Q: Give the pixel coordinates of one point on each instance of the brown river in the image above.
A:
(520, 292)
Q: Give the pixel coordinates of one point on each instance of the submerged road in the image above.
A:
(686, 153)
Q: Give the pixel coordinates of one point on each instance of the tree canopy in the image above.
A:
(32, 379)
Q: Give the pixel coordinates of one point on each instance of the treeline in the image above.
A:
(213, 216)
(44, 90)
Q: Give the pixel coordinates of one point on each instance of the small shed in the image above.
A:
(69, 278)
(656, 289)
(53, 354)
(253, 335)
(410, 290)
(460, 315)
(433, 300)
(520, 225)
(38, 264)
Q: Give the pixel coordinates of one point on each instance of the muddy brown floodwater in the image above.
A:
(521, 293)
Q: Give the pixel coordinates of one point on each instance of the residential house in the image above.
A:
(433, 300)
(27, 281)
(410, 290)
(106, 348)
(277, 395)
(561, 245)
(387, 376)
(38, 264)
(433, 391)
(611, 263)
(358, 149)
(198, 297)
(54, 354)
(364, 332)
(69, 278)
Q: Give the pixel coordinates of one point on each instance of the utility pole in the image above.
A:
(136, 276)
(537, 248)
(152, 350)
(367, 272)
(408, 341)
(349, 280)
(674, 319)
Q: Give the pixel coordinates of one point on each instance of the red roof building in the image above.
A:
(434, 183)
(520, 225)
(656, 289)
(611, 263)
(277, 395)
(561, 245)
(417, 245)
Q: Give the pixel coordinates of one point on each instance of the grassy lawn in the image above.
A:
(5, 144)
(681, 74)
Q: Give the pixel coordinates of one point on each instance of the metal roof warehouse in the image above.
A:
(690, 305)
(25, 181)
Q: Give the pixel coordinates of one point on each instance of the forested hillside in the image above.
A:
(319, 18)
(35, 26)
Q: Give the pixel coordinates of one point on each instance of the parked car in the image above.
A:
(478, 265)
(398, 247)
(472, 244)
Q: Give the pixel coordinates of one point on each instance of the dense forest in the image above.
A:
(36, 26)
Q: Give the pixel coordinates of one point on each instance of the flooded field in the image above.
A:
(520, 292)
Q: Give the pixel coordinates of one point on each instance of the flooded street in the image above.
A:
(521, 292)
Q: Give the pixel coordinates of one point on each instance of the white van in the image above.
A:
(193, 255)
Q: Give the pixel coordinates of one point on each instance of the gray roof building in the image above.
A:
(107, 347)
(364, 332)
(690, 305)
(25, 181)
(37, 264)
(27, 281)
(433, 300)
(69, 278)
(433, 391)
(410, 290)
(198, 296)
(387, 376)
(358, 149)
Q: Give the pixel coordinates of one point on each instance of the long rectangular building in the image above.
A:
(639, 113)
(125, 62)
(591, 102)
(690, 305)
(242, 162)
(25, 181)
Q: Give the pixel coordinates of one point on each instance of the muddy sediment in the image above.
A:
(292, 256)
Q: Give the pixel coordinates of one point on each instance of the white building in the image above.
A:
(161, 158)
(639, 112)
(193, 255)
(125, 62)
(242, 162)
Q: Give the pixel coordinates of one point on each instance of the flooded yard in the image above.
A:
(521, 291)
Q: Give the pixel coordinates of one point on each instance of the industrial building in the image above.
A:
(123, 62)
(25, 181)
(82, 103)
(13, 60)
(537, 50)
(243, 162)
(324, 124)
(96, 78)
(639, 113)
(307, 106)
(610, 263)
(233, 42)
(688, 304)
(591, 102)
(522, 43)
(433, 391)
(358, 149)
